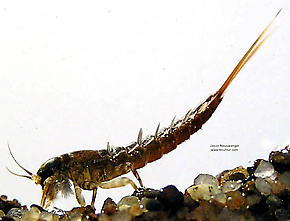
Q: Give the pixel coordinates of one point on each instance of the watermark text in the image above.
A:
(225, 147)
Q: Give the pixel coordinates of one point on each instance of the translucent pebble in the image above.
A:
(265, 169)
(34, 209)
(235, 200)
(231, 186)
(276, 185)
(30, 216)
(220, 198)
(202, 191)
(263, 186)
(206, 179)
(127, 202)
(285, 178)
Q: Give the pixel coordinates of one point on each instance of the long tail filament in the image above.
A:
(252, 50)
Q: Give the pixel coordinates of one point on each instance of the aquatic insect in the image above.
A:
(90, 169)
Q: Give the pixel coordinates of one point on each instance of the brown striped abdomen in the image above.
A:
(153, 148)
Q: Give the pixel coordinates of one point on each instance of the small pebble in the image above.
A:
(249, 187)
(238, 173)
(219, 199)
(16, 213)
(109, 207)
(206, 179)
(171, 197)
(285, 178)
(276, 185)
(202, 191)
(32, 214)
(4, 198)
(127, 201)
(235, 200)
(229, 186)
(281, 160)
(263, 186)
(265, 169)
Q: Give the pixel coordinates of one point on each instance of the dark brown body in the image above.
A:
(89, 168)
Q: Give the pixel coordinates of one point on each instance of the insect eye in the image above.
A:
(49, 168)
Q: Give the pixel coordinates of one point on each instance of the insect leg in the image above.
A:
(94, 197)
(79, 196)
(48, 193)
(118, 182)
(134, 171)
(44, 193)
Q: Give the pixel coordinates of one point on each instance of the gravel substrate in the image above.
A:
(260, 192)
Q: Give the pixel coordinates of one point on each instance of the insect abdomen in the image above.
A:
(164, 142)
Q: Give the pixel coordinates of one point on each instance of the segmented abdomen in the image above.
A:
(153, 147)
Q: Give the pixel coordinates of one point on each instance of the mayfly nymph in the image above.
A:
(90, 169)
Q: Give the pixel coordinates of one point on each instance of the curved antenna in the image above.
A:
(18, 174)
(27, 171)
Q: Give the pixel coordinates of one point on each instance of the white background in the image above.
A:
(76, 74)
